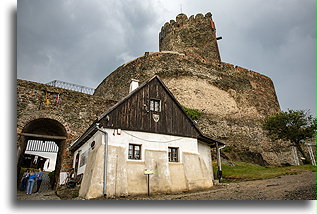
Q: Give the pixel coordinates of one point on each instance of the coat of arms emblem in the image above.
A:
(156, 117)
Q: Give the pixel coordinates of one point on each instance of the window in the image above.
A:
(155, 105)
(83, 159)
(172, 154)
(134, 152)
(92, 145)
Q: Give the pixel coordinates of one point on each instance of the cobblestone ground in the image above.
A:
(45, 192)
(48, 195)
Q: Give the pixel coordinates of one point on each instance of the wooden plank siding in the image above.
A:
(133, 113)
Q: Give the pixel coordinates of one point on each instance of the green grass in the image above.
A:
(247, 171)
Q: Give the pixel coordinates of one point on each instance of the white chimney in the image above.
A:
(133, 85)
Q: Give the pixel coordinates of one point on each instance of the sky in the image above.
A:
(83, 41)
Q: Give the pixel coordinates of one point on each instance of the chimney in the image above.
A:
(133, 85)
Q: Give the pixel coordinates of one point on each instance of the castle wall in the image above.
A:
(235, 90)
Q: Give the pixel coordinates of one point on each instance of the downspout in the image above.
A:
(219, 170)
(105, 159)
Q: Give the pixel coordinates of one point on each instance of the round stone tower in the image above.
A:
(232, 100)
(193, 35)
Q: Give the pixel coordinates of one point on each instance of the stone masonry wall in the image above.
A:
(76, 111)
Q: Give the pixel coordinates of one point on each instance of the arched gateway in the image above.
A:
(41, 135)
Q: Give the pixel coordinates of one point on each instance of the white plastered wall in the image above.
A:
(205, 153)
(126, 176)
(86, 149)
(151, 141)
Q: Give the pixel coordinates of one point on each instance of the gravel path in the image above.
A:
(290, 187)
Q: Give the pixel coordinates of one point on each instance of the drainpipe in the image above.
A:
(105, 159)
(219, 170)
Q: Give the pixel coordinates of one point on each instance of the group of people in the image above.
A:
(28, 179)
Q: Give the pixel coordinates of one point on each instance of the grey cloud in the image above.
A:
(79, 41)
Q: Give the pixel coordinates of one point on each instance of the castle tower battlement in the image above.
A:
(196, 34)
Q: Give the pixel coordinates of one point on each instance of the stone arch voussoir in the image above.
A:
(24, 120)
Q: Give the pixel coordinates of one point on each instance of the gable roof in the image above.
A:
(92, 129)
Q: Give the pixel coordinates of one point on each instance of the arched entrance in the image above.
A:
(42, 135)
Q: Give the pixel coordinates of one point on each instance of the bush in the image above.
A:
(192, 113)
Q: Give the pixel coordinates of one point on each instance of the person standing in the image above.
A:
(39, 178)
(24, 180)
(31, 181)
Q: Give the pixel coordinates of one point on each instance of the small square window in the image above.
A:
(172, 154)
(155, 105)
(134, 152)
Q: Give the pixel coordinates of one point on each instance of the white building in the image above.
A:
(146, 132)
(43, 149)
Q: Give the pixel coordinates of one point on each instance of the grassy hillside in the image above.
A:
(240, 171)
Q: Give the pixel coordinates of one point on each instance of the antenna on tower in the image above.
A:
(181, 8)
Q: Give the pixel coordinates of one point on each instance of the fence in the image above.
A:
(71, 86)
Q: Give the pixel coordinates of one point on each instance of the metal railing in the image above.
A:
(71, 86)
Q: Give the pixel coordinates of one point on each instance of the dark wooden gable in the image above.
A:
(133, 112)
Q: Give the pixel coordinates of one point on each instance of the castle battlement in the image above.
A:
(196, 34)
(182, 19)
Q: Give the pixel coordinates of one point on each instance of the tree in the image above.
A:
(294, 126)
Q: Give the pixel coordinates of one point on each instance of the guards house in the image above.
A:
(146, 131)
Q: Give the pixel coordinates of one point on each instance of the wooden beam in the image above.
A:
(48, 137)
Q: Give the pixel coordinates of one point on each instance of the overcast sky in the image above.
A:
(82, 41)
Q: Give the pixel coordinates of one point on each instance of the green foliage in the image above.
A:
(192, 113)
(292, 126)
(227, 149)
(246, 171)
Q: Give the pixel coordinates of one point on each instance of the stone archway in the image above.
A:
(43, 129)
